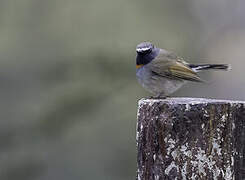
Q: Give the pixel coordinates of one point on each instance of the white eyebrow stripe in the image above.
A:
(143, 49)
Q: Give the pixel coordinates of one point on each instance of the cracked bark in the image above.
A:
(190, 138)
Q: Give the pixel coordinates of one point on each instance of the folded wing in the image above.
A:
(169, 65)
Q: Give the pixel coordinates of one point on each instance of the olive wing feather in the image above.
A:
(167, 64)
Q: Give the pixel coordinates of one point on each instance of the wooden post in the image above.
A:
(191, 138)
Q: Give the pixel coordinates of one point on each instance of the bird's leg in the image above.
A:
(159, 96)
(152, 97)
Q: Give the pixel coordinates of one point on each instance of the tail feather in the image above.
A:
(200, 67)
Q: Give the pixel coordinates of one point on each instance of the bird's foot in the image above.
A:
(159, 97)
(162, 97)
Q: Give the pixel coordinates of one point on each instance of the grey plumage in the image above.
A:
(162, 72)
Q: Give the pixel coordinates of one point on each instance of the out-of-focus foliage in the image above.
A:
(67, 78)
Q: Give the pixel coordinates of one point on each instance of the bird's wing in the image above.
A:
(167, 64)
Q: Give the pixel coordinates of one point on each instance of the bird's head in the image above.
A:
(146, 52)
(144, 48)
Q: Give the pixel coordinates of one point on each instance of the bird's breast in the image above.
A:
(157, 84)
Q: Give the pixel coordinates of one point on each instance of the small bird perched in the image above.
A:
(162, 72)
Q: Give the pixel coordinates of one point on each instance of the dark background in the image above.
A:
(68, 92)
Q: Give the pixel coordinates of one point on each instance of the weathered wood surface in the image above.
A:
(191, 138)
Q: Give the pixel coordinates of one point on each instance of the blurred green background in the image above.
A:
(68, 90)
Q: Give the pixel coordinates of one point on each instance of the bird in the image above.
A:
(162, 72)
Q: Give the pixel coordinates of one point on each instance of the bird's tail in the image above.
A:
(200, 67)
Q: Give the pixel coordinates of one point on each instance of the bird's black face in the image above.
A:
(146, 52)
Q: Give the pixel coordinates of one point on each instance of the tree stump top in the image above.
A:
(187, 100)
(191, 138)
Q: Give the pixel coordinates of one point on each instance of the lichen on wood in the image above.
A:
(190, 138)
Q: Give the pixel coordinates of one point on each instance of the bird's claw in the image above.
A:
(158, 97)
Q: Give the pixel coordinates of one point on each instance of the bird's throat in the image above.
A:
(139, 66)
